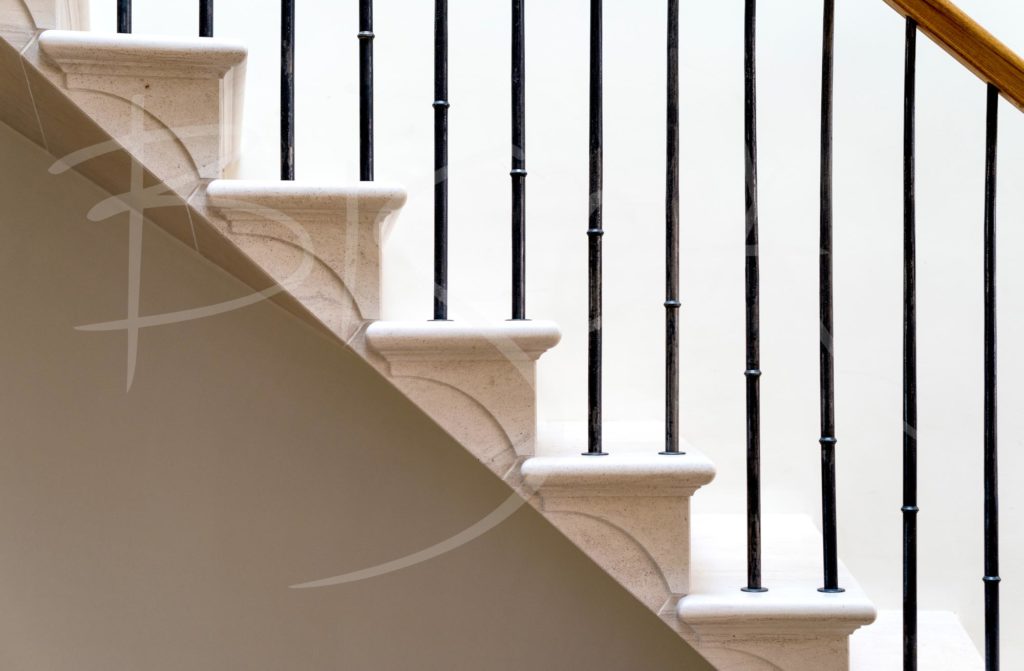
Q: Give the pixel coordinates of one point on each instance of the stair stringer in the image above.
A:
(21, 20)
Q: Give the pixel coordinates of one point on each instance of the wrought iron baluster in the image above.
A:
(441, 105)
(909, 508)
(518, 160)
(828, 431)
(752, 372)
(366, 90)
(205, 18)
(672, 233)
(287, 89)
(595, 232)
(124, 16)
(991, 452)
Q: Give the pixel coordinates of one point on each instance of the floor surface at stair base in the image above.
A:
(943, 644)
(175, 103)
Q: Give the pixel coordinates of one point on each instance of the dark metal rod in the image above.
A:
(828, 429)
(441, 105)
(595, 231)
(991, 447)
(205, 18)
(909, 508)
(672, 233)
(287, 89)
(753, 315)
(124, 16)
(518, 160)
(366, 90)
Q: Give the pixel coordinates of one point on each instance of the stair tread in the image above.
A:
(633, 474)
(304, 194)
(75, 48)
(461, 341)
(791, 551)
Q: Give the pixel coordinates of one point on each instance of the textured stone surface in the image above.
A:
(792, 626)
(322, 242)
(20, 20)
(175, 103)
(478, 382)
(630, 513)
(62, 14)
(17, 26)
(943, 645)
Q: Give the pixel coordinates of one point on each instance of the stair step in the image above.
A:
(174, 103)
(943, 644)
(322, 242)
(792, 626)
(477, 382)
(629, 512)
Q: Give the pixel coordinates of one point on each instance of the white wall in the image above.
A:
(868, 234)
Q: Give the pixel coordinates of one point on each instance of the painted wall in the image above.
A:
(868, 234)
(161, 528)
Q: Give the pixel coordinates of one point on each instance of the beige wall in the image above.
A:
(161, 528)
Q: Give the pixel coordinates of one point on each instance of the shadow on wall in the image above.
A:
(161, 528)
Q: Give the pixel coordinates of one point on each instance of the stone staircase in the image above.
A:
(175, 105)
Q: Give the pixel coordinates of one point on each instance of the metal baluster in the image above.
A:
(441, 160)
(909, 357)
(828, 437)
(518, 160)
(287, 89)
(991, 449)
(672, 234)
(752, 372)
(595, 231)
(124, 16)
(366, 90)
(205, 18)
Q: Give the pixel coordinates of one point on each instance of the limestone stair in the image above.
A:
(174, 105)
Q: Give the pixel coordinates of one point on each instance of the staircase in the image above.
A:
(318, 248)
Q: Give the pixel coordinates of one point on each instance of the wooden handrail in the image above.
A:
(964, 39)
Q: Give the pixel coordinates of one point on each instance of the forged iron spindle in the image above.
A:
(205, 18)
(124, 16)
(366, 90)
(595, 231)
(991, 448)
(909, 358)
(672, 234)
(828, 430)
(287, 89)
(441, 160)
(518, 160)
(752, 371)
